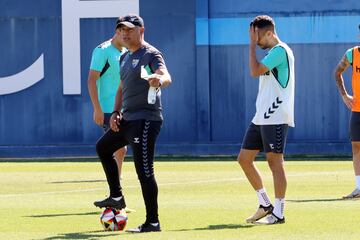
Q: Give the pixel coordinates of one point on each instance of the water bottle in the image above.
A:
(151, 95)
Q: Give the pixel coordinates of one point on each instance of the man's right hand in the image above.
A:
(98, 117)
(115, 121)
(253, 35)
(348, 100)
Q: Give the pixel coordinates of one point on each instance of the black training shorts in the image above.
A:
(267, 138)
(355, 126)
(106, 124)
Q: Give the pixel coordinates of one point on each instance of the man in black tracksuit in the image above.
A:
(136, 119)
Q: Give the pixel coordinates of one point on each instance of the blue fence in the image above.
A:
(212, 99)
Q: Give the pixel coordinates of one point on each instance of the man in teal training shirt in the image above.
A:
(103, 82)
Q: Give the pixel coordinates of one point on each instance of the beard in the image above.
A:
(263, 47)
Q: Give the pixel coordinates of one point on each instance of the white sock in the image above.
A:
(357, 182)
(279, 207)
(263, 197)
(117, 198)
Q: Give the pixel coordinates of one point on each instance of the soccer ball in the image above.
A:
(113, 219)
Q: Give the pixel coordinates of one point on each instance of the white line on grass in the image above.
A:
(171, 184)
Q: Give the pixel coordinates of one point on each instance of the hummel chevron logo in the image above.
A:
(274, 106)
(271, 109)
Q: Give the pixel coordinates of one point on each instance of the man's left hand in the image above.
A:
(154, 80)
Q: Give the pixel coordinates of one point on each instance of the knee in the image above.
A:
(240, 160)
(243, 161)
(100, 148)
(144, 178)
(273, 166)
(356, 149)
(276, 164)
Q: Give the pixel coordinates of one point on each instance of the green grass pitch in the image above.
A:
(197, 200)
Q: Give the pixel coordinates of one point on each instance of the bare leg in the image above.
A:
(356, 157)
(276, 164)
(119, 157)
(246, 160)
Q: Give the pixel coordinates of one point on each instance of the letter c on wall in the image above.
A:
(24, 79)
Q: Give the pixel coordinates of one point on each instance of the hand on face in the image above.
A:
(254, 35)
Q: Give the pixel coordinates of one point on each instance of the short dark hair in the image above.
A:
(263, 21)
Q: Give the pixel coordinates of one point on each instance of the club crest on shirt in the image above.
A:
(135, 62)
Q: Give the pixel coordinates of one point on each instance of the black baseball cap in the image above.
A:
(130, 21)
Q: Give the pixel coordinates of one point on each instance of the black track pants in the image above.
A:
(141, 135)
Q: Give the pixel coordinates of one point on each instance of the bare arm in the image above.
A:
(256, 68)
(118, 98)
(340, 68)
(98, 114)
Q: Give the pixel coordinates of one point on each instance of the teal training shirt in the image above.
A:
(349, 54)
(277, 61)
(105, 59)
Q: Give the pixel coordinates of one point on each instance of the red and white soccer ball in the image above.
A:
(113, 219)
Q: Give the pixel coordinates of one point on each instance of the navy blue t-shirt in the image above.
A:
(135, 105)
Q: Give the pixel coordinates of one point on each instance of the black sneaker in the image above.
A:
(145, 227)
(109, 202)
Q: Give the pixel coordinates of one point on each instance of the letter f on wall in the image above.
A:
(72, 11)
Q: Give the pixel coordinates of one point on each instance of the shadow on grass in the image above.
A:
(317, 200)
(81, 181)
(64, 215)
(91, 235)
(217, 227)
